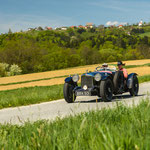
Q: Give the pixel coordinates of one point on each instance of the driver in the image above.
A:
(120, 67)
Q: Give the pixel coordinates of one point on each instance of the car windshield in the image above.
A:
(109, 68)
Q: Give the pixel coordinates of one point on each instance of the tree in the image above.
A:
(40, 28)
(81, 30)
(3, 69)
(144, 50)
(9, 31)
(101, 27)
(24, 52)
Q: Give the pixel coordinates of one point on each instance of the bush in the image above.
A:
(14, 70)
(3, 69)
(7, 70)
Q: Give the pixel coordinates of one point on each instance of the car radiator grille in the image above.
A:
(87, 80)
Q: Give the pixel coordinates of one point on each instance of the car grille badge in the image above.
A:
(85, 87)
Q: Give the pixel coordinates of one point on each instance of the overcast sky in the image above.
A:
(23, 14)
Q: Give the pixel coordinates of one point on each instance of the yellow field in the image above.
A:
(139, 70)
(32, 84)
(136, 62)
(58, 73)
(49, 74)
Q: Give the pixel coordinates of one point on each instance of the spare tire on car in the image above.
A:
(118, 82)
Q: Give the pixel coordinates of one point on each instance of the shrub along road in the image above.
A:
(59, 108)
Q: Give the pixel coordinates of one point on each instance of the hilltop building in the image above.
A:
(81, 26)
(89, 25)
(73, 27)
(140, 23)
(64, 28)
(48, 28)
(120, 26)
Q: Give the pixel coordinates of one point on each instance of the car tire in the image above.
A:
(68, 93)
(106, 90)
(118, 82)
(135, 86)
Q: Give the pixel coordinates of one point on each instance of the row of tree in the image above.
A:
(36, 51)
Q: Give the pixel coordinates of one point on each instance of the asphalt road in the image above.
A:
(59, 108)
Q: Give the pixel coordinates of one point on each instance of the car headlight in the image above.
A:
(75, 78)
(97, 77)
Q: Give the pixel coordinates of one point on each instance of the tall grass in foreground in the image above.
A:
(120, 128)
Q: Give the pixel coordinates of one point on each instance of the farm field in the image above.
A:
(135, 62)
(63, 72)
(141, 71)
(119, 128)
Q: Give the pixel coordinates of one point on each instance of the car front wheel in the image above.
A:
(106, 90)
(68, 93)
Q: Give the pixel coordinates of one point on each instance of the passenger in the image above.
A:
(104, 66)
(120, 67)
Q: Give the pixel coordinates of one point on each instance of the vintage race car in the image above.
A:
(103, 82)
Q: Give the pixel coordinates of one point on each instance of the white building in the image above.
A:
(140, 23)
(64, 28)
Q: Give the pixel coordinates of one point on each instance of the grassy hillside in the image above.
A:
(120, 128)
(145, 34)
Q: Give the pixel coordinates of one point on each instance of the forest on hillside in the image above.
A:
(44, 50)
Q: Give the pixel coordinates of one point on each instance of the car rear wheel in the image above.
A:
(68, 93)
(106, 90)
(118, 81)
(135, 86)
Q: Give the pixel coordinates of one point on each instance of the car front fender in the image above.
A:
(68, 80)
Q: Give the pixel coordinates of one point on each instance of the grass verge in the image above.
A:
(144, 78)
(33, 95)
(121, 128)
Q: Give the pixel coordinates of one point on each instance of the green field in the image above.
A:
(120, 128)
(31, 95)
(145, 34)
